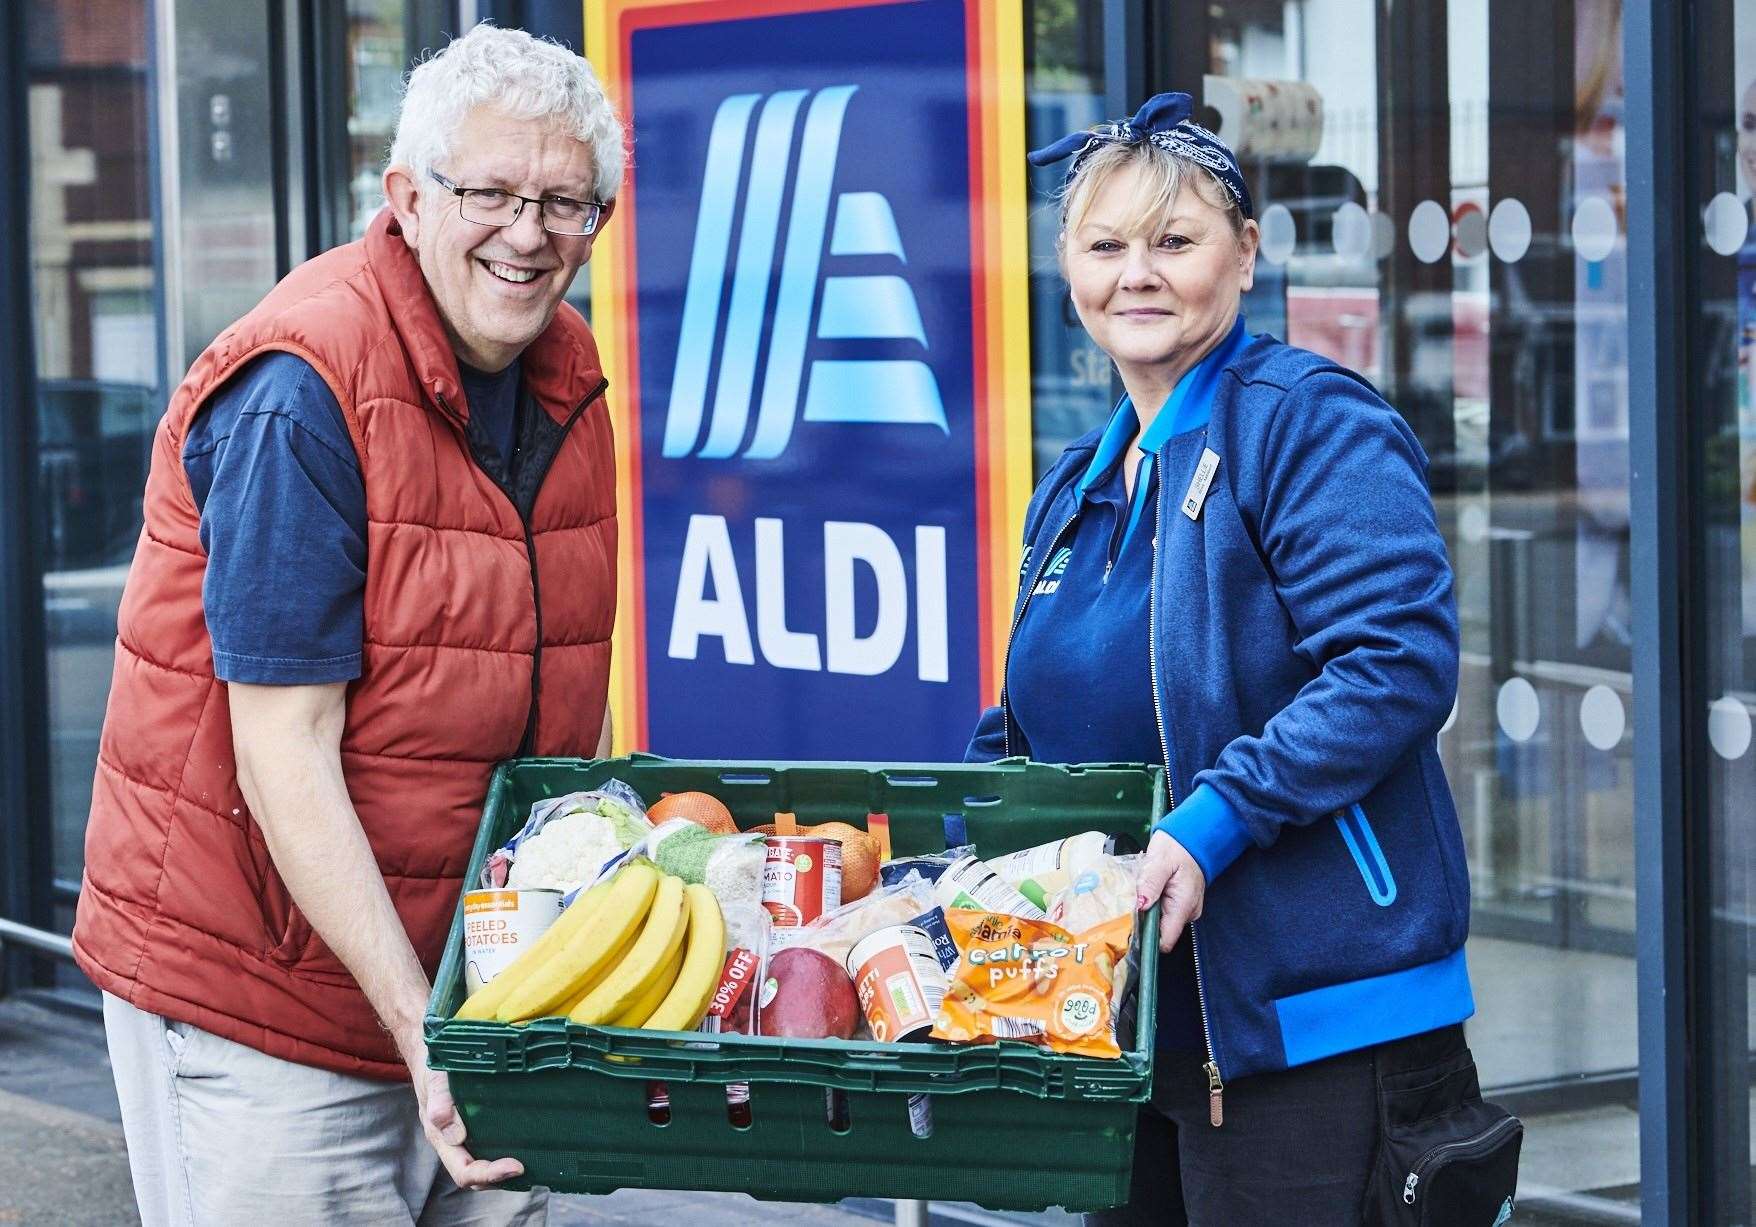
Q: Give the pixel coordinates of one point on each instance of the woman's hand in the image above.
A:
(1171, 874)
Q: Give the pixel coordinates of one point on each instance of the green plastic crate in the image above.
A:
(1013, 1127)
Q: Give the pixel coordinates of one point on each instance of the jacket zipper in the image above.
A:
(1006, 661)
(1481, 1141)
(1216, 1106)
(527, 742)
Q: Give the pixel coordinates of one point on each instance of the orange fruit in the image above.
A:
(703, 809)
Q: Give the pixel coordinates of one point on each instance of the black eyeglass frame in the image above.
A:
(599, 207)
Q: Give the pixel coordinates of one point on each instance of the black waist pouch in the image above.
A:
(1446, 1158)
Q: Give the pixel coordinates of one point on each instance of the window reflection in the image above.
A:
(1725, 339)
(97, 343)
(378, 52)
(219, 209)
(1070, 376)
(100, 314)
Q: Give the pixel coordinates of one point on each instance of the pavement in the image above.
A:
(60, 1166)
(62, 1160)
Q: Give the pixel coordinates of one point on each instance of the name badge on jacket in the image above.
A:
(1201, 483)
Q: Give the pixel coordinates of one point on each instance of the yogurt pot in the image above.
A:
(500, 925)
(899, 982)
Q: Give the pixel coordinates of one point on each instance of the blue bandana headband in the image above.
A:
(1166, 121)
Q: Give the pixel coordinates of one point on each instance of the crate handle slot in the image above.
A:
(658, 1103)
(990, 799)
(836, 1110)
(740, 1111)
(920, 1116)
(911, 781)
(746, 777)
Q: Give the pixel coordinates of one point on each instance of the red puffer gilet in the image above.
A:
(473, 613)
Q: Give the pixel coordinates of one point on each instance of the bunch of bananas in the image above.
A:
(639, 949)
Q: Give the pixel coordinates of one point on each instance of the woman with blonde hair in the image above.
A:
(1240, 576)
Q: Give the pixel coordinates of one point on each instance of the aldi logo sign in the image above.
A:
(757, 177)
(812, 308)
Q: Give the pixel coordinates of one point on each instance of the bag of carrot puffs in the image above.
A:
(1020, 979)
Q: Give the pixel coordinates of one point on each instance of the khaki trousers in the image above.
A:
(220, 1135)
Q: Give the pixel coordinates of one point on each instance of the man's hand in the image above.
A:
(444, 1124)
(1171, 874)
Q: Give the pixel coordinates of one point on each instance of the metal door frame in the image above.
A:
(25, 899)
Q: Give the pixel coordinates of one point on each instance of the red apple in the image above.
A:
(808, 995)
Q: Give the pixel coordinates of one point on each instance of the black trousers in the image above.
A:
(1296, 1147)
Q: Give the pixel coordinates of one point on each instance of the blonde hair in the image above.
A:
(1163, 176)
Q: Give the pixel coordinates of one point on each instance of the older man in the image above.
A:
(378, 557)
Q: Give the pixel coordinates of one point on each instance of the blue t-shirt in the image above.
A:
(493, 405)
(1078, 681)
(283, 518)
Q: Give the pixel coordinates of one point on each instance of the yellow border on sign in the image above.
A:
(1001, 270)
(608, 327)
(1009, 322)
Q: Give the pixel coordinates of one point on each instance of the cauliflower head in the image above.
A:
(566, 852)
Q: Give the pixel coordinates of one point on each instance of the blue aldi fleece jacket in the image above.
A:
(1304, 654)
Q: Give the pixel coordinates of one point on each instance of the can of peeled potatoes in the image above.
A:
(801, 878)
(500, 925)
(899, 981)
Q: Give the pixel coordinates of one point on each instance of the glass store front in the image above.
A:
(1441, 198)
(1722, 450)
(173, 178)
(95, 285)
(1450, 220)
(1444, 191)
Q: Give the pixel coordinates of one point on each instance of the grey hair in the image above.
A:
(518, 75)
(1163, 177)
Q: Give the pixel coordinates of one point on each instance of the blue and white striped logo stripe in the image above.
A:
(864, 307)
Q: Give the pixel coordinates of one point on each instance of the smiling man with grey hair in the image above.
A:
(378, 557)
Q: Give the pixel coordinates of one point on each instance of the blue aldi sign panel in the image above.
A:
(815, 333)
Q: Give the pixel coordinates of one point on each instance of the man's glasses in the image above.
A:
(494, 206)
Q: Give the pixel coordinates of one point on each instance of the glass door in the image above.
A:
(1070, 376)
(1722, 328)
(95, 288)
(381, 41)
(167, 149)
(1440, 189)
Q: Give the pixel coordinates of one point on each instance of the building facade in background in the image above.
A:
(1444, 191)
